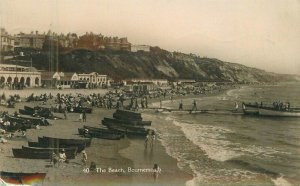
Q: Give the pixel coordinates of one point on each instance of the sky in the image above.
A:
(258, 33)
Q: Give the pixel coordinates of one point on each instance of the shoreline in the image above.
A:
(119, 154)
(189, 176)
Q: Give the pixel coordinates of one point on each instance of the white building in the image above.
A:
(94, 78)
(71, 79)
(27, 76)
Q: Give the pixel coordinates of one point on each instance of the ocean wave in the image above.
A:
(210, 139)
(252, 167)
(191, 158)
(217, 142)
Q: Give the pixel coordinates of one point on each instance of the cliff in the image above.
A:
(155, 64)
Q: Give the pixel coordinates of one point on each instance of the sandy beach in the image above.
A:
(125, 155)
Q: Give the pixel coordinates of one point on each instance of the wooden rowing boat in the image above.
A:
(69, 150)
(100, 134)
(60, 142)
(128, 122)
(21, 153)
(270, 111)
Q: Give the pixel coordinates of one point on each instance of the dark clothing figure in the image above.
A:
(136, 107)
(194, 105)
(65, 114)
(180, 105)
(93, 166)
(84, 116)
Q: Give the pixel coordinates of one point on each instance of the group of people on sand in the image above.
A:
(61, 157)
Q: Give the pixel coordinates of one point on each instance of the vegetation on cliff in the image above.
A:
(155, 64)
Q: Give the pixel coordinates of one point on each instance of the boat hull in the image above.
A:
(277, 113)
(269, 111)
(22, 178)
(21, 153)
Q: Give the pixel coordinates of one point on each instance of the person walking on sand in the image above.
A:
(84, 157)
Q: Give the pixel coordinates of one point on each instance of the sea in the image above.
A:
(233, 149)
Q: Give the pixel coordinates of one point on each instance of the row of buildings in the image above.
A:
(91, 41)
(31, 77)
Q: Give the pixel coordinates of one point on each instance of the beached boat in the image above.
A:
(27, 119)
(270, 111)
(21, 153)
(69, 150)
(29, 109)
(63, 143)
(128, 122)
(111, 123)
(100, 134)
(127, 115)
(20, 178)
(127, 131)
(25, 112)
(38, 112)
(100, 129)
(43, 144)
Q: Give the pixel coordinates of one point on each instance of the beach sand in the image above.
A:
(115, 154)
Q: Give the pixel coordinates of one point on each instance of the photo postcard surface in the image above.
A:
(144, 92)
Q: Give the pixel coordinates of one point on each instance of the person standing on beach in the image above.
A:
(152, 139)
(194, 105)
(146, 140)
(160, 103)
(65, 113)
(156, 171)
(84, 116)
(236, 106)
(180, 105)
(84, 157)
(80, 117)
(136, 105)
